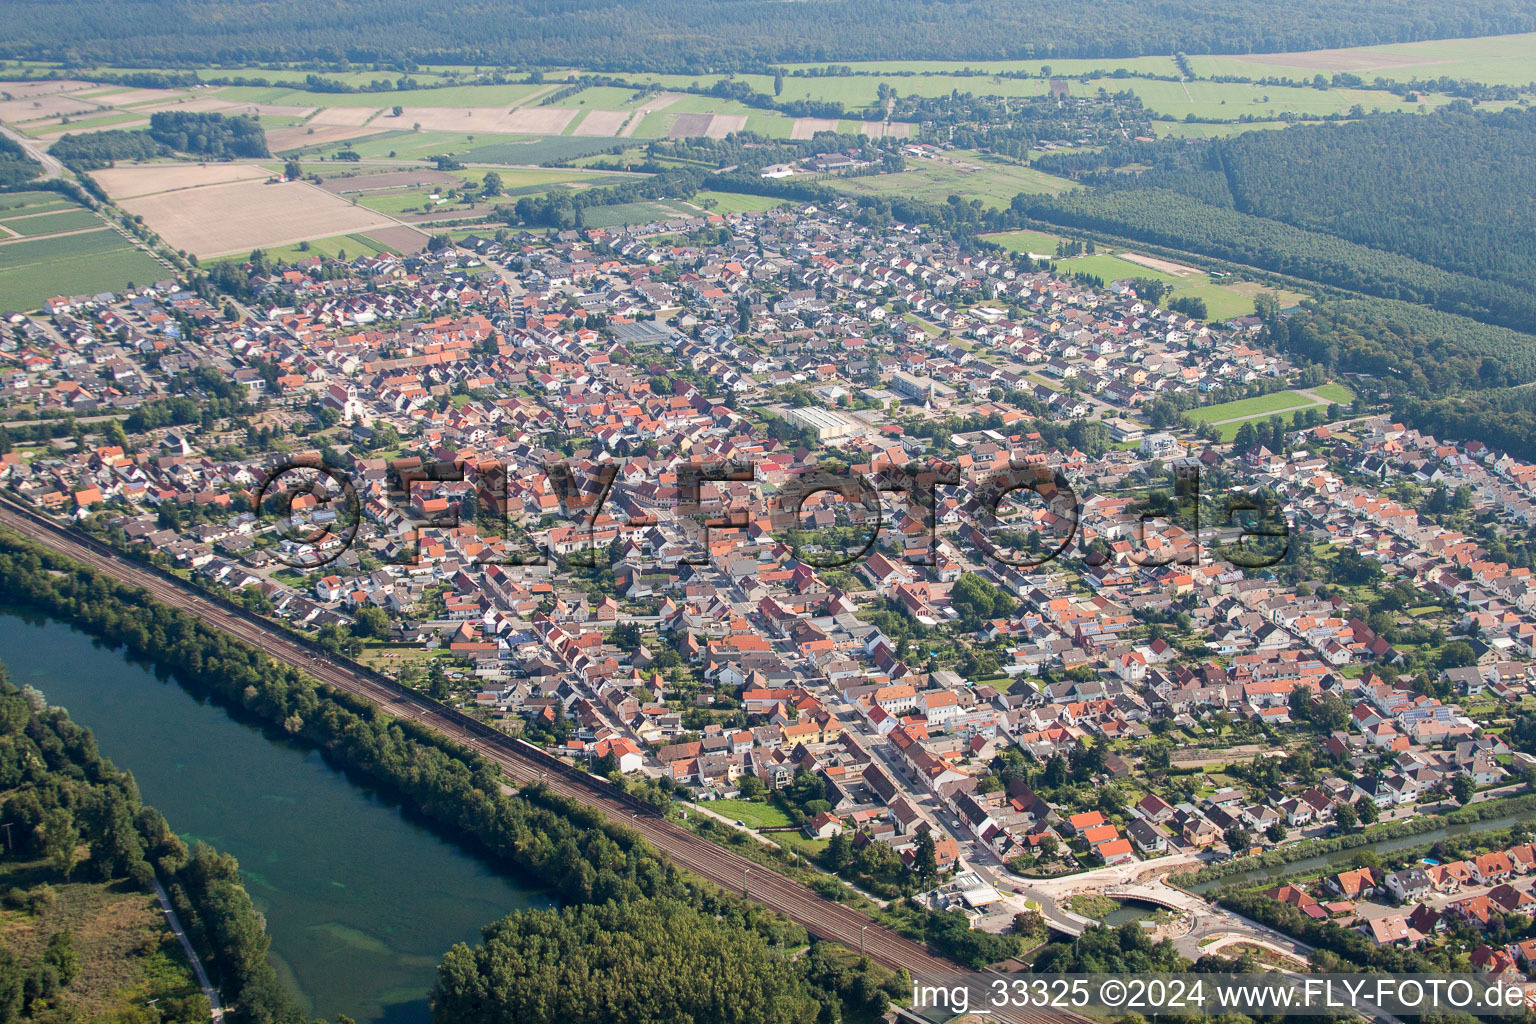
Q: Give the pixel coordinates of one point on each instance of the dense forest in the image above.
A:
(15, 166)
(691, 36)
(1429, 209)
(62, 798)
(628, 962)
(210, 135)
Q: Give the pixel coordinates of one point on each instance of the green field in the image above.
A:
(1334, 392)
(52, 223)
(1223, 301)
(1037, 242)
(635, 213)
(975, 176)
(539, 149)
(1493, 60)
(1247, 408)
(449, 96)
(1260, 409)
(13, 204)
(336, 246)
(734, 202)
(41, 268)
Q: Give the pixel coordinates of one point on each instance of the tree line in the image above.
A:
(199, 134)
(675, 35)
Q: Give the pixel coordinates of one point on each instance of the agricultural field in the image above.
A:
(1492, 60)
(734, 202)
(966, 173)
(35, 269)
(624, 214)
(216, 216)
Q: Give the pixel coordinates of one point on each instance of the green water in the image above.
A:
(360, 899)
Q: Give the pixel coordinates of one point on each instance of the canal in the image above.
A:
(1342, 859)
(361, 899)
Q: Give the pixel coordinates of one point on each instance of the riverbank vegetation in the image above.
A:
(83, 936)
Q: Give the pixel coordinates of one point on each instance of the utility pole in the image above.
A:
(7, 827)
(745, 872)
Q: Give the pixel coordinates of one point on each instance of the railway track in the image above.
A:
(519, 761)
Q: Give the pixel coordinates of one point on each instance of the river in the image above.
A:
(361, 899)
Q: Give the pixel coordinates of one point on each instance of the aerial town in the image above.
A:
(566, 458)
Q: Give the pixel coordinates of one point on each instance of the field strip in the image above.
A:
(61, 234)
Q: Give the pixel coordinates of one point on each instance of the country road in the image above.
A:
(186, 945)
(521, 763)
(51, 167)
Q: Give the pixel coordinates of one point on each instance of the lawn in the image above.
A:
(38, 269)
(755, 815)
(1247, 408)
(734, 202)
(1334, 392)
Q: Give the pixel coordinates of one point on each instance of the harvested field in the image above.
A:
(887, 129)
(300, 136)
(1176, 269)
(471, 120)
(131, 96)
(402, 239)
(807, 127)
(28, 90)
(201, 105)
(345, 117)
(541, 120)
(721, 125)
(37, 108)
(130, 180)
(56, 126)
(601, 122)
(240, 216)
(689, 126)
(388, 180)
